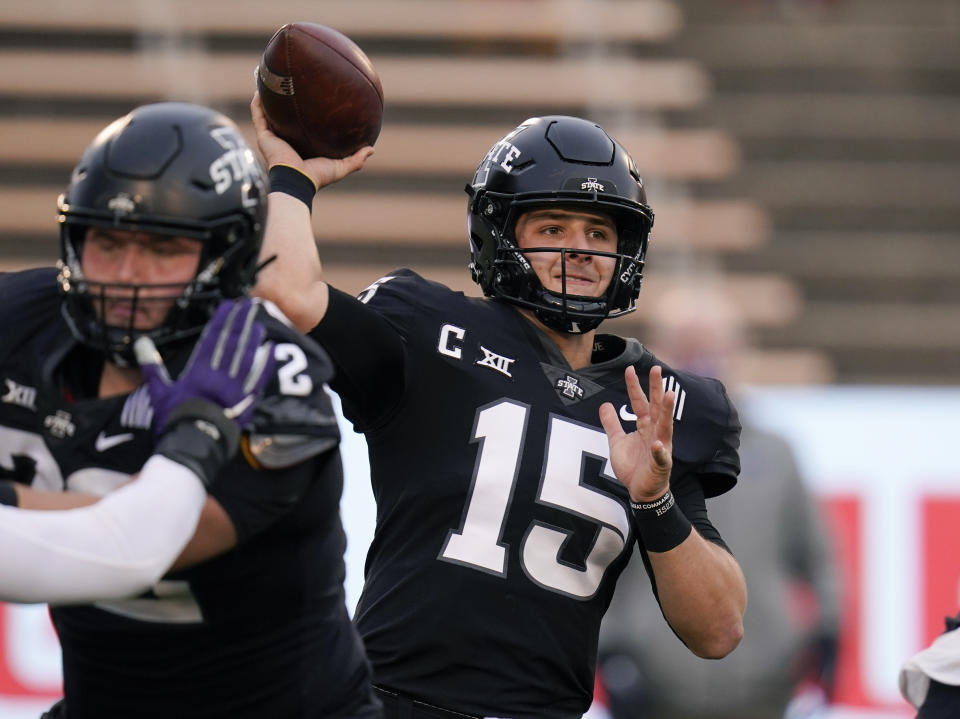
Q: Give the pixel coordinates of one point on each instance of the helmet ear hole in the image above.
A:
(492, 209)
(564, 161)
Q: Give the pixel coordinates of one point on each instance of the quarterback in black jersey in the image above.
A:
(517, 456)
(162, 220)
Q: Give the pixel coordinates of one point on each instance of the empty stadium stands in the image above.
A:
(808, 162)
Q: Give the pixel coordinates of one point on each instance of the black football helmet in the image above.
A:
(556, 160)
(173, 169)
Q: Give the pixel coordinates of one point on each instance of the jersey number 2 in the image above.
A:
(293, 380)
(501, 428)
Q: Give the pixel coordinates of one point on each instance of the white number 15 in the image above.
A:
(500, 428)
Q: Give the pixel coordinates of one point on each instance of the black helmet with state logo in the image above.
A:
(556, 161)
(174, 169)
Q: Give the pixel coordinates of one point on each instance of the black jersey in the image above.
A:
(501, 528)
(259, 631)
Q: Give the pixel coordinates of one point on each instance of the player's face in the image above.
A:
(153, 270)
(587, 275)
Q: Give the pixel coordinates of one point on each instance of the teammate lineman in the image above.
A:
(123, 544)
(517, 456)
(163, 218)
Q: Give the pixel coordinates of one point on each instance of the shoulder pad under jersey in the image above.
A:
(403, 295)
(294, 419)
(706, 429)
(28, 301)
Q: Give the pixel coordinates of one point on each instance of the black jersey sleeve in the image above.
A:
(707, 435)
(688, 492)
(368, 353)
(725, 462)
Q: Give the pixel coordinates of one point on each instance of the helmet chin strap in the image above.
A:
(555, 312)
(555, 308)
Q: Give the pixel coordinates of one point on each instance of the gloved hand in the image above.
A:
(200, 416)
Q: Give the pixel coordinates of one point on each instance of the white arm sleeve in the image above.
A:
(115, 548)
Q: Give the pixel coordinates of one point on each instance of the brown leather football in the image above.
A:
(319, 91)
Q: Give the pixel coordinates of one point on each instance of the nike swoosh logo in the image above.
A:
(105, 442)
(626, 415)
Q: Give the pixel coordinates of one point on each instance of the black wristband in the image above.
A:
(200, 437)
(291, 181)
(8, 493)
(657, 506)
(660, 523)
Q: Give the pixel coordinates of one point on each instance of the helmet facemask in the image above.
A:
(191, 303)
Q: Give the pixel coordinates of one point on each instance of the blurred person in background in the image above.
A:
(785, 665)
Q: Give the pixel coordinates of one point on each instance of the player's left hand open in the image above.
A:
(216, 392)
(642, 459)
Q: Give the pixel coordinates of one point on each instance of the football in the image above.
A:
(319, 91)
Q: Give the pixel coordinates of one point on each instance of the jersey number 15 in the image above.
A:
(500, 428)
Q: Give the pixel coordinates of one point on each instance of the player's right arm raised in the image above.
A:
(294, 278)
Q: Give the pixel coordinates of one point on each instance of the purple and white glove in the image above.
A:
(200, 416)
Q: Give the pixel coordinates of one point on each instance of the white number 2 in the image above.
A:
(294, 360)
(501, 429)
